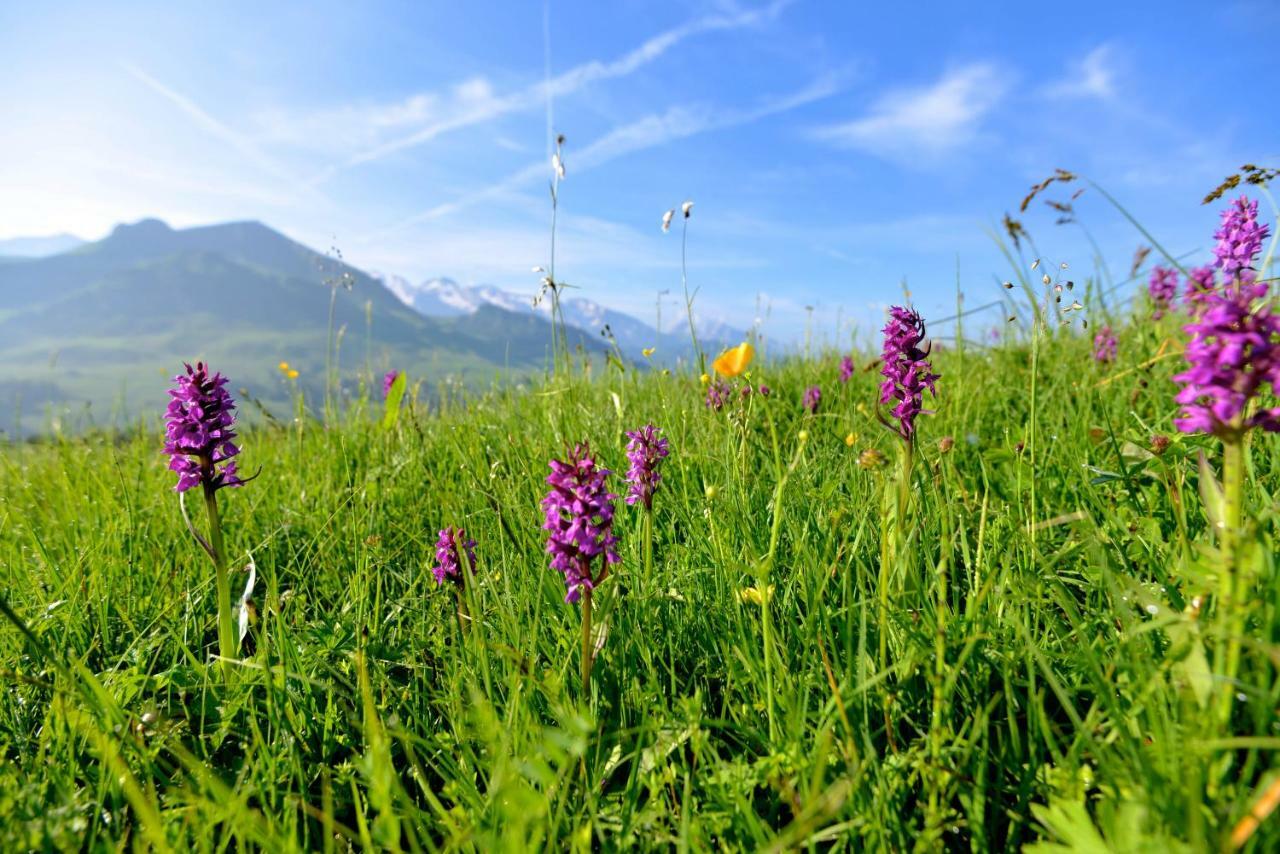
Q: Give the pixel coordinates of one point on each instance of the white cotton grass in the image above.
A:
(666, 219)
(686, 208)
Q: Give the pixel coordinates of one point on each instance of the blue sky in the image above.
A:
(831, 149)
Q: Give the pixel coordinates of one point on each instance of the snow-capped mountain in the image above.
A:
(443, 297)
(434, 297)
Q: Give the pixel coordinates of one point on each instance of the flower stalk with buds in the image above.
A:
(200, 442)
(1234, 351)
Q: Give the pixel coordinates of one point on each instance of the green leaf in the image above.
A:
(1211, 494)
(395, 395)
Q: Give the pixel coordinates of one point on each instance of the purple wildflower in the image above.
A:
(764, 390)
(646, 450)
(812, 397)
(198, 434)
(717, 394)
(1234, 350)
(388, 381)
(1105, 346)
(1200, 286)
(846, 369)
(906, 370)
(579, 517)
(1240, 238)
(1163, 288)
(452, 544)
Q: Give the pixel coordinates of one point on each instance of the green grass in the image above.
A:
(1044, 674)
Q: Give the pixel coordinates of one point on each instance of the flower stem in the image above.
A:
(586, 644)
(1231, 617)
(648, 546)
(226, 626)
(688, 300)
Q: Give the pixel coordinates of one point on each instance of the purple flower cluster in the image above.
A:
(450, 547)
(646, 449)
(1163, 288)
(906, 370)
(1234, 350)
(388, 381)
(198, 435)
(846, 369)
(579, 519)
(1240, 238)
(1105, 346)
(812, 397)
(717, 394)
(1200, 286)
(720, 393)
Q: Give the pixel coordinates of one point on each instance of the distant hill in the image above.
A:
(38, 247)
(102, 327)
(442, 297)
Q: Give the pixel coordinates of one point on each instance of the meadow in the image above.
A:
(1032, 625)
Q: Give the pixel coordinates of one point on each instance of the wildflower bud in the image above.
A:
(1020, 447)
(945, 444)
(451, 547)
(704, 379)
(711, 491)
(579, 519)
(1159, 444)
(812, 397)
(869, 459)
(851, 439)
(803, 435)
(199, 438)
(388, 381)
(906, 369)
(646, 450)
(764, 390)
(1096, 435)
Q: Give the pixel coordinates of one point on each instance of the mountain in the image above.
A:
(38, 247)
(103, 326)
(443, 297)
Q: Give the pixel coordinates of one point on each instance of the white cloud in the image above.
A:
(484, 105)
(925, 121)
(241, 143)
(647, 132)
(1092, 76)
(337, 131)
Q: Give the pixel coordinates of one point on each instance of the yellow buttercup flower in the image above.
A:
(292, 374)
(851, 439)
(734, 361)
(284, 367)
(753, 596)
(647, 351)
(704, 379)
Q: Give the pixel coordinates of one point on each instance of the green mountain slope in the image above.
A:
(93, 334)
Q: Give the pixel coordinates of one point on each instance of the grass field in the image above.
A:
(1024, 653)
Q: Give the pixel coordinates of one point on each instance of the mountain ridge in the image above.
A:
(445, 297)
(80, 327)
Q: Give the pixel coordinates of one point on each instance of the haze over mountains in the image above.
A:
(92, 334)
(38, 247)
